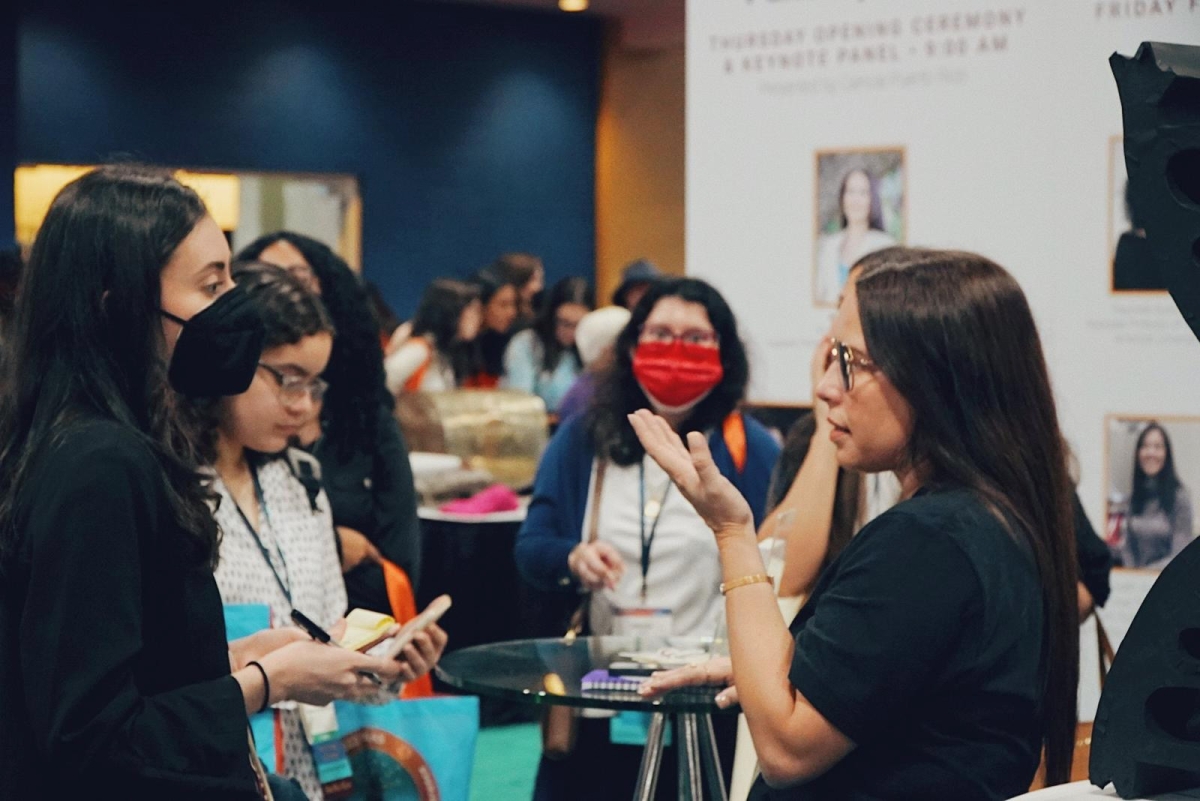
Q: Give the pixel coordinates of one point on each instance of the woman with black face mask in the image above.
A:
(115, 673)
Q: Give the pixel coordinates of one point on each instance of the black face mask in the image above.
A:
(219, 349)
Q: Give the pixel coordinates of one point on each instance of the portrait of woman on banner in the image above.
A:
(1155, 521)
(860, 196)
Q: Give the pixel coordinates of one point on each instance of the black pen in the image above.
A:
(316, 632)
(321, 635)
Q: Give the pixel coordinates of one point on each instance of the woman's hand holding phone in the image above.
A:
(420, 642)
(317, 673)
(420, 655)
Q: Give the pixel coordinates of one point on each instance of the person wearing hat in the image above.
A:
(636, 278)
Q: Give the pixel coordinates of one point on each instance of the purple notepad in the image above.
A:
(601, 679)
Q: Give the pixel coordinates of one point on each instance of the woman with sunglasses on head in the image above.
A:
(939, 652)
(115, 674)
(681, 355)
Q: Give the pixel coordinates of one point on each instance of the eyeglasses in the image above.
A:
(847, 358)
(294, 388)
(664, 336)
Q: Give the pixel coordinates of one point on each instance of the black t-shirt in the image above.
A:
(921, 643)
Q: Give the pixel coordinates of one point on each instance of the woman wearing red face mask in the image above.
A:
(680, 355)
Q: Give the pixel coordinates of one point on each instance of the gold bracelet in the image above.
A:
(757, 578)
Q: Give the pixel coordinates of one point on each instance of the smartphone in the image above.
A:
(437, 607)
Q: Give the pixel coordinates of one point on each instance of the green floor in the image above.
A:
(506, 759)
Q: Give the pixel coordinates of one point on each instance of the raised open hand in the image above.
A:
(693, 471)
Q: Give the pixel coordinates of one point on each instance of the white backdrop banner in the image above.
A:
(818, 130)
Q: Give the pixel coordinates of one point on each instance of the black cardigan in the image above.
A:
(114, 667)
(371, 490)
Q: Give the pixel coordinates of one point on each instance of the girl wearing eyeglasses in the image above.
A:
(653, 560)
(939, 653)
(363, 455)
(278, 545)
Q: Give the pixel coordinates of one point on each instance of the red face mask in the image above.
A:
(677, 374)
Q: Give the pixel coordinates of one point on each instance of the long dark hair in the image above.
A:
(1165, 484)
(289, 311)
(438, 314)
(875, 215)
(618, 393)
(519, 269)
(87, 339)
(567, 290)
(355, 371)
(954, 334)
(489, 281)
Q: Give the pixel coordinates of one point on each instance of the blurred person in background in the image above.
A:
(438, 354)
(525, 272)
(636, 278)
(595, 336)
(500, 310)
(543, 360)
(364, 458)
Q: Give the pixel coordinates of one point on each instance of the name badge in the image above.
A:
(329, 753)
(642, 622)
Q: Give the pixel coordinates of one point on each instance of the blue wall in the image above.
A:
(472, 130)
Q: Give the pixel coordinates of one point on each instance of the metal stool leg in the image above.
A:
(688, 753)
(711, 759)
(647, 781)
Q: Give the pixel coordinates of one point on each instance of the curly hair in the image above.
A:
(355, 371)
(618, 393)
(289, 311)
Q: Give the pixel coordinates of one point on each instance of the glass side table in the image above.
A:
(517, 670)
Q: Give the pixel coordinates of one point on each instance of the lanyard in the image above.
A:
(266, 555)
(643, 513)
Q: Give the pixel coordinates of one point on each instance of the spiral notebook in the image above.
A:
(601, 679)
